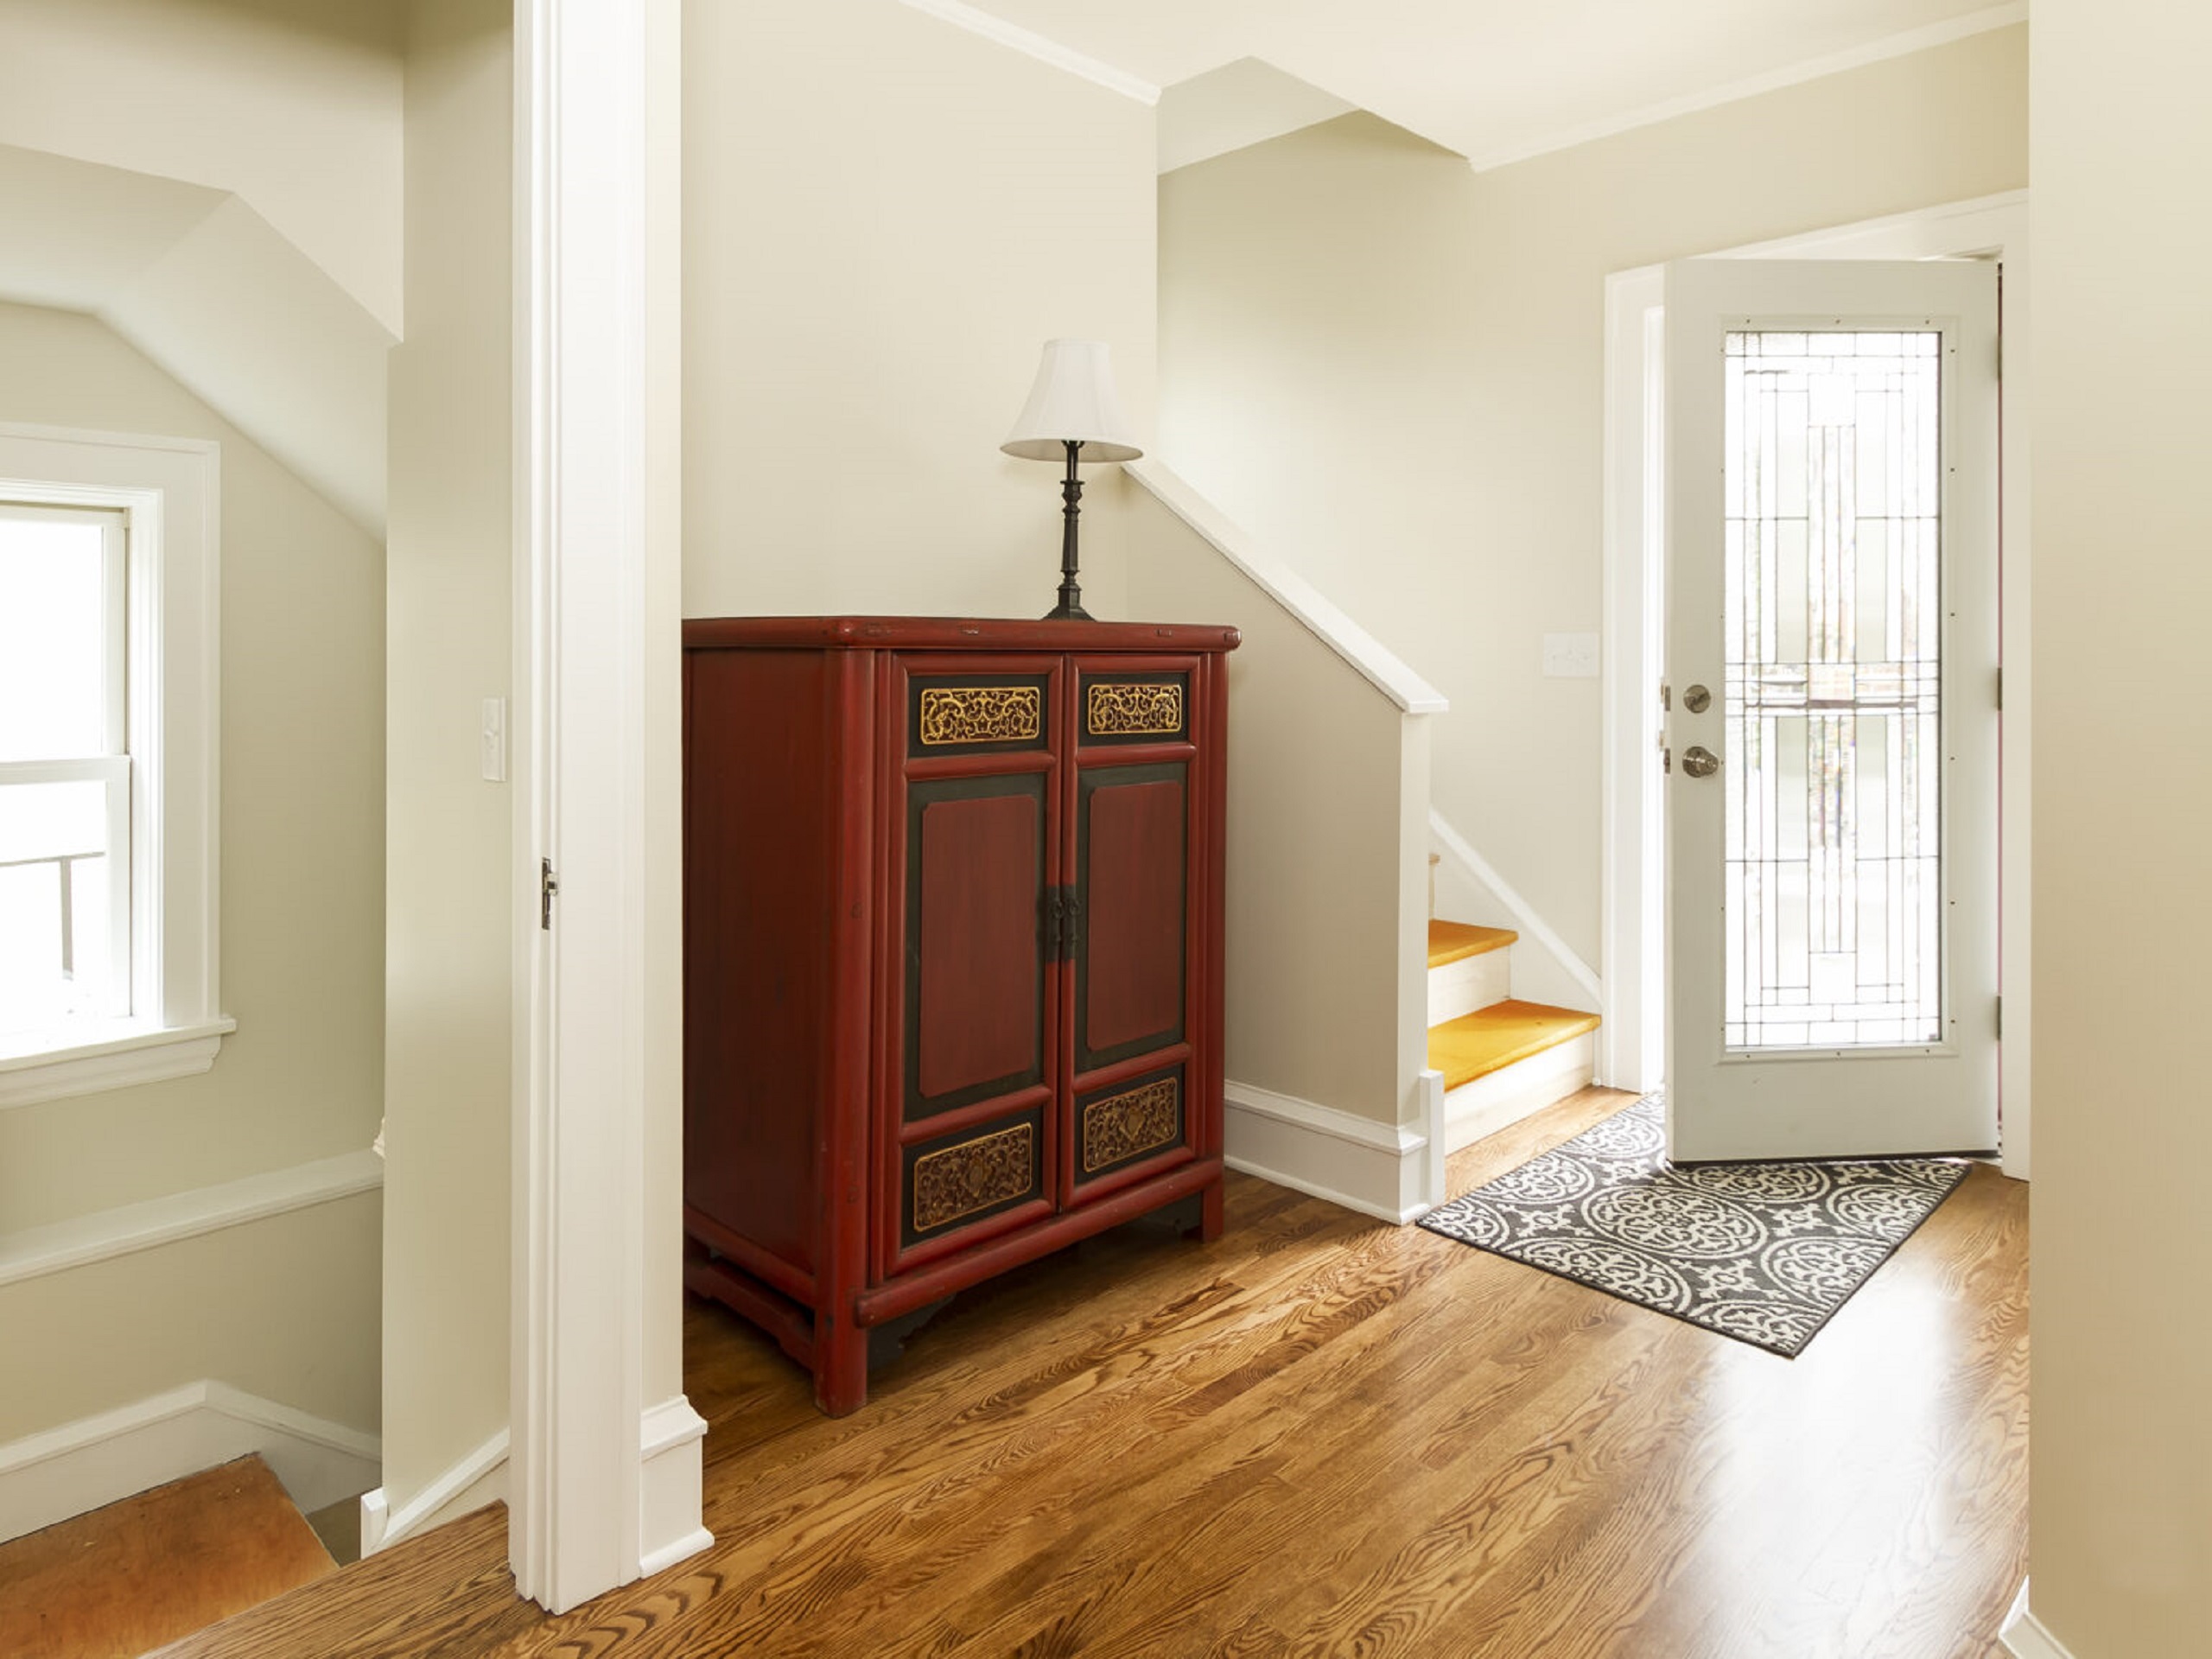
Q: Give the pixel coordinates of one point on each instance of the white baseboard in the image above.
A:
(1378, 1169)
(671, 1466)
(60, 1472)
(479, 1479)
(1545, 969)
(2025, 1636)
(670, 1460)
(1521, 1089)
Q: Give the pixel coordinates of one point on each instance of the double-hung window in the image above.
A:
(64, 772)
(108, 791)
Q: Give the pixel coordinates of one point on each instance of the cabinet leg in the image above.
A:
(1209, 1215)
(840, 1365)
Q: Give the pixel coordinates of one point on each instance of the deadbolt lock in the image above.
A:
(1697, 699)
(1699, 762)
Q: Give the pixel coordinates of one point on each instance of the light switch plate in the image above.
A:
(1570, 655)
(493, 740)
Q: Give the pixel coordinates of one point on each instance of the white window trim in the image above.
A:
(169, 490)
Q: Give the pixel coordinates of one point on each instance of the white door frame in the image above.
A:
(603, 1484)
(1631, 965)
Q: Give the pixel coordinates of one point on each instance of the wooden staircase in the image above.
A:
(1502, 1059)
(117, 1581)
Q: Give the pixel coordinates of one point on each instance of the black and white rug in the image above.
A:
(1765, 1253)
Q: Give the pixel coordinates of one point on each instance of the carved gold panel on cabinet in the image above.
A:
(1125, 1125)
(1133, 709)
(981, 713)
(975, 1175)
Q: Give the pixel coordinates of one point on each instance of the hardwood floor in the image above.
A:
(1326, 1436)
(136, 1573)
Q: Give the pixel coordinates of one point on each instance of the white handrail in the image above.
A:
(1375, 662)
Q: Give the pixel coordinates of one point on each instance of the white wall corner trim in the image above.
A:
(1632, 1045)
(1900, 45)
(1037, 46)
(1378, 1169)
(1550, 950)
(1374, 662)
(34, 1252)
(1435, 1121)
(595, 83)
(672, 1465)
(2025, 1636)
(58, 1473)
(476, 1480)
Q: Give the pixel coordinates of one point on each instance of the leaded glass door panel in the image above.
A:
(1832, 658)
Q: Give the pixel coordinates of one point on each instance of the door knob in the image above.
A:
(1699, 762)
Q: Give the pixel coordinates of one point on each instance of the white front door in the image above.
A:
(1832, 651)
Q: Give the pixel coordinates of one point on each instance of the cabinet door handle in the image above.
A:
(1071, 923)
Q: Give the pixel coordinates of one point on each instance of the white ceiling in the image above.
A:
(1496, 80)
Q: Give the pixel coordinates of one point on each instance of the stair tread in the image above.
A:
(1449, 942)
(410, 1598)
(146, 1570)
(1489, 1040)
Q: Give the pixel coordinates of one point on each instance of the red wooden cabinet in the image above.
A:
(952, 957)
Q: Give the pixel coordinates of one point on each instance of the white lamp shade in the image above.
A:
(1073, 398)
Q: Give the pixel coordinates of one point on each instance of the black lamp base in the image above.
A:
(1069, 609)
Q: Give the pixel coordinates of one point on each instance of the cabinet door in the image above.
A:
(1131, 1010)
(973, 851)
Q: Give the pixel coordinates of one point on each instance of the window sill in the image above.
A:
(136, 1056)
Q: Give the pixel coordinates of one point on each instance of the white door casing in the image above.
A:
(604, 1479)
(1929, 1096)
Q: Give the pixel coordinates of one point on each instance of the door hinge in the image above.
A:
(548, 885)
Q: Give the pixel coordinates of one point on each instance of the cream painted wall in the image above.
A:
(884, 217)
(1389, 368)
(1318, 771)
(285, 1308)
(2121, 1484)
(193, 89)
(302, 836)
(447, 1009)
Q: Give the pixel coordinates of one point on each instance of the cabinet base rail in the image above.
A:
(812, 1336)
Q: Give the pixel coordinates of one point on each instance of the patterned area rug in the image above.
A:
(1764, 1253)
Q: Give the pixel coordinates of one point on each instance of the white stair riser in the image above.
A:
(1521, 1089)
(1470, 983)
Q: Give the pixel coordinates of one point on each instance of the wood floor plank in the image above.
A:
(1323, 1435)
(442, 1596)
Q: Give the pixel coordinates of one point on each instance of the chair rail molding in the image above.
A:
(34, 1252)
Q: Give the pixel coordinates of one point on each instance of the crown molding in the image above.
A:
(1833, 63)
